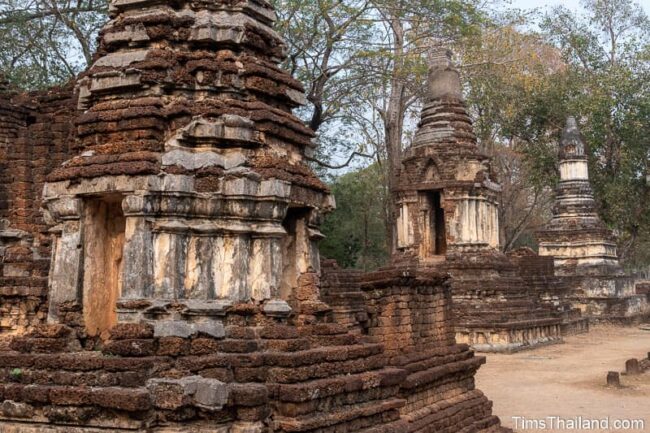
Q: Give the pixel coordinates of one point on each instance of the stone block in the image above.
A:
(131, 347)
(126, 331)
(173, 346)
(113, 81)
(192, 390)
(206, 308)
(172, 328)
(632, 367)
(247, 427)
(134, 33)
(211, 393)
(249, 395)
(12, 409)
(169, 394)
(131, 400)
(50, 331)
(277, 308)
(211, 328)
(122, 59)
(613, 379)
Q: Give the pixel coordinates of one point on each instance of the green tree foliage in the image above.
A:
(47, 42)
(522, 86)
(356, 235)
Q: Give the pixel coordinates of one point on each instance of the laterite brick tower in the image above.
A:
(184, 288)
(447, 211)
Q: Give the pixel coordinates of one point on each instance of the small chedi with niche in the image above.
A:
(447, 207)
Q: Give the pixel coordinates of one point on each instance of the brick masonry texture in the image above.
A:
(36, 132)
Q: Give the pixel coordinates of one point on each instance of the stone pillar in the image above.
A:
(197, 283)
(169, 264)
(230, 267)
(67, 254)
(265, 269)
(137, 277)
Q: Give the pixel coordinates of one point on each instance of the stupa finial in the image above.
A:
(444, 78)
(571, 143)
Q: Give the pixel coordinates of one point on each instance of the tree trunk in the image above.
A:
(394, 121)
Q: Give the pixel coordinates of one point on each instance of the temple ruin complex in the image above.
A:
(184, 289)
(159, 261)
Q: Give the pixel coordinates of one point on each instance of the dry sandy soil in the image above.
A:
(568, 381)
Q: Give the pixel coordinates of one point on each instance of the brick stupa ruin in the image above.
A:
(582, 247)
(183, 293)
(447, 210)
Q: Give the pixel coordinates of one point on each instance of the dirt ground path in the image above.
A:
(568, 381)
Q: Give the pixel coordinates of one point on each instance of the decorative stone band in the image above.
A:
(574, 169)
(580, 252)
(475, 223)
(176, 244)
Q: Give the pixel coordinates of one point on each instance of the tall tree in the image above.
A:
(365, 75)
(355, 232)
(505, 69)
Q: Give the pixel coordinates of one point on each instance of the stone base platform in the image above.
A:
(575, 326)
(408, 310)
(230, 383)
(509, 338)
(626, 310)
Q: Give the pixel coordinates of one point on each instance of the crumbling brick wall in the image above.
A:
(407, 314)
(552, 291)
(409, 311)
(35, 137)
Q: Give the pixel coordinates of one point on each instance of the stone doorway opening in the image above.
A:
(435, 234)
(104, 227)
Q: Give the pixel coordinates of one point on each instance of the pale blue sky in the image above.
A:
(571, 4)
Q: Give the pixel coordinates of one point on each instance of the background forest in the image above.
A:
(364, 63)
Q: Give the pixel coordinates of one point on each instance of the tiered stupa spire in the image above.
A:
(444, 118)
(576, 236)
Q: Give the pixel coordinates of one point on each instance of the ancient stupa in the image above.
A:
(183, 293)
(447, 211)
(576, 237)
(582, 247)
